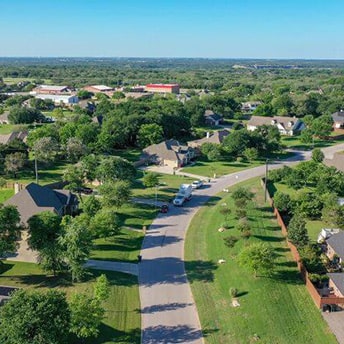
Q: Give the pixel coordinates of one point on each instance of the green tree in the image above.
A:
(46, 149)
(258, 257)
(91, 206)
(44, 232)
(251, 154)
(75, 149)
(77, 245)
(115, 168)
(149, 134)
(150, 180)
(282, 202)
(118, 95)
(317, 155)
(32, 317)
(83, 94)
(102, 288)
(21, 115)
(241, 196)
(73, 175)
(115, 194)
(86, 315)
(297, 231)
(9, 229)
(14, 162)
(105, 223)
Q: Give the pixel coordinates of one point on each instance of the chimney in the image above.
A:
(16, 188)
(208, 134)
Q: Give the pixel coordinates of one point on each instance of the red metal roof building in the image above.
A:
(163, 88)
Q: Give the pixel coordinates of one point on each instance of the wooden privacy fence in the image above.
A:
(317, 298)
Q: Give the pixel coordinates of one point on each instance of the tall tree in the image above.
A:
(297, 231)
(149, 134)
(114, 168)
(44, 233)
(14, 162)
(77, 245)
(32, 317)
(9, 229)
(105, 223)
(115, 194)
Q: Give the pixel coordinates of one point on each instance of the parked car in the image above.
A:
(84, 190)
(196, 184)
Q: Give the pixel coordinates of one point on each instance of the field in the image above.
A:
(275, 309)
(5, 194)
(122, 320)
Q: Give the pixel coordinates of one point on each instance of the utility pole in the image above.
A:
(266, 178)
(36, 169)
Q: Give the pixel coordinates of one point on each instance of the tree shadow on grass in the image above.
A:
(4, 267)
(44, 281)
(120, 244)
(198, 270)
(288, 276)
(289, 264)
(111, 335)
(269, 238)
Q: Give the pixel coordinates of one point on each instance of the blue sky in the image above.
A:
(167, 28)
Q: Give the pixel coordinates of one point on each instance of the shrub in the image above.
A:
(246, 234)
(233, 292)
(243, 225)
(230, 241)
(240, 159)
(226, 225)
(225, 211)
(240, 213)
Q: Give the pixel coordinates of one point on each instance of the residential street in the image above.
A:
(169, 314)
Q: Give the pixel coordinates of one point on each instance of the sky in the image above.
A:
(305, 29)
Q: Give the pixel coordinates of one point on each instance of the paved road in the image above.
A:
(169, 314)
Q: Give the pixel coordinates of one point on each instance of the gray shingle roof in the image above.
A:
(35, 199)
(216, 137)
(338, 280)
(336, 241)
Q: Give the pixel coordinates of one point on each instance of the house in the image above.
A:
(99, 89)
(35, 199)
(335, 247)
(50, 89)
(250, 106)
(212, 119)
(326, 233)
(215, 137)
(286, 125)
(336, 283)
(85, 104)
(163, 88)
(338, 119)
(8, 138)
(67, 99)
(337, 161)
(168, 153)
(4, 118)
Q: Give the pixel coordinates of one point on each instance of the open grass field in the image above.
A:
(275, 309)
(122, 321)
(168, 187)
(295, 142)
(9, 128)
(124, 247)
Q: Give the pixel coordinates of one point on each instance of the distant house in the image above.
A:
(85, 104)
(99, 89)
(250, 106)
(163, 88)
(286, 125)
(50, 89)
(35, 199)
(4, 118)
(168, 153)
(337, 161)
(215, 137)
(8, 138)
(338, 119)
(67, 99)
(335, 246)
(212, 119)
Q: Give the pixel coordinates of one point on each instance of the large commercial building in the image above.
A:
(67, 99)
(163, 88)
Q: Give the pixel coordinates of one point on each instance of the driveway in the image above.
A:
(169, 313)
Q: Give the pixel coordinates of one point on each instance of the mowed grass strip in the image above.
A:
(123, 247)
(275, 309)
(122, 321)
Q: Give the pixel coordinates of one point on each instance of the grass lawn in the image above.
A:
(277, 309)
(124, 247)
(9, 128)
(295, 142)
(129, 154)
(135, 215)
(5, 194)
(314, 228)
(169, 185)
(122, 321)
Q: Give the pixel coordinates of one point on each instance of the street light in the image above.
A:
(266, 177)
